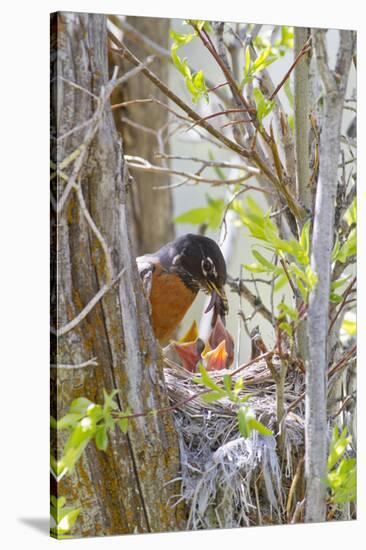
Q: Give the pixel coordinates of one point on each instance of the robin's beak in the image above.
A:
(218, 300)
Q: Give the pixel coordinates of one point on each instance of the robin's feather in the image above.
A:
(170, 299)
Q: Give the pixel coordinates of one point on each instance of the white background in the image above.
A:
(24, 270)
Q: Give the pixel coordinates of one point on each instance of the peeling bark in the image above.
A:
(123, 490)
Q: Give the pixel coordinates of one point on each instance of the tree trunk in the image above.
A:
(152, 209)
(125, 489)
(316, 441)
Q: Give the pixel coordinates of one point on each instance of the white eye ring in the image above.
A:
(207, 266)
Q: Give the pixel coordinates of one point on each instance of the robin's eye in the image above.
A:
(207, 265)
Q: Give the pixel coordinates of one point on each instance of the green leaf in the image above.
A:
(286, 328)
(239, 385)
(349, 248)
(67, 522)
(338, 446)
(280, 283)
(182, 39)
(264, 59)
(95, 412)
(80, 405)
(259, 427)
(199, 81)
(339, 282)
(69, 420)
(213, 396)
(351, 213)
(311, 277)
(349, 327)
(291, 312)
(305, 237)
(195, 216)
(109, 403)
(123, 425)
(287, 37)
(247, 61)
(255, 268)
(264, 106)
(336, 248)
(205, 379)
(211, 214)
(58, 502)
(227, 382)
(335, 298)
(244, 415)
(269, 265)
(101, 438)
(81, 434)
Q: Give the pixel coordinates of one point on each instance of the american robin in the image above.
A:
(173, 275)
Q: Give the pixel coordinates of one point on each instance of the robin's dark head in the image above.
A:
(199, 262)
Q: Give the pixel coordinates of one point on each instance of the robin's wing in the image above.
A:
(145, 265)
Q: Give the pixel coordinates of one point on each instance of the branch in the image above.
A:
(97, 233)
(144, 165)
(124, 52)
(154, 48)
(295, 208)
(240, 288)
(96, 118)
(213, 163)
(89, 363)
(318, 313)
(305, 49)
(87, 309)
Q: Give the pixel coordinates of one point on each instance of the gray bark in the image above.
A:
(316, 441)
(124, 490)
(301, 115)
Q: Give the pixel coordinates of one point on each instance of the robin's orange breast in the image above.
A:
(170, 299)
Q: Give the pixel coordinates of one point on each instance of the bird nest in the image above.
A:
(228, 480)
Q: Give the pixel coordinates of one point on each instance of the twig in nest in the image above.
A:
(292, 285)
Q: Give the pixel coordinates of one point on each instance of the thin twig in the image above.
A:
(343, 303)
(221, 113)
(240, 288)
(342, 362)
(126, 53)
(305, 49)
(211, 163)
(156, 49)
(262, 357)
(145, 166)
(87, 309)
(292, 285)
(97, 233)
(89, 363)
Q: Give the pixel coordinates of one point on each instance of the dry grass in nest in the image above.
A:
(226, 480)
